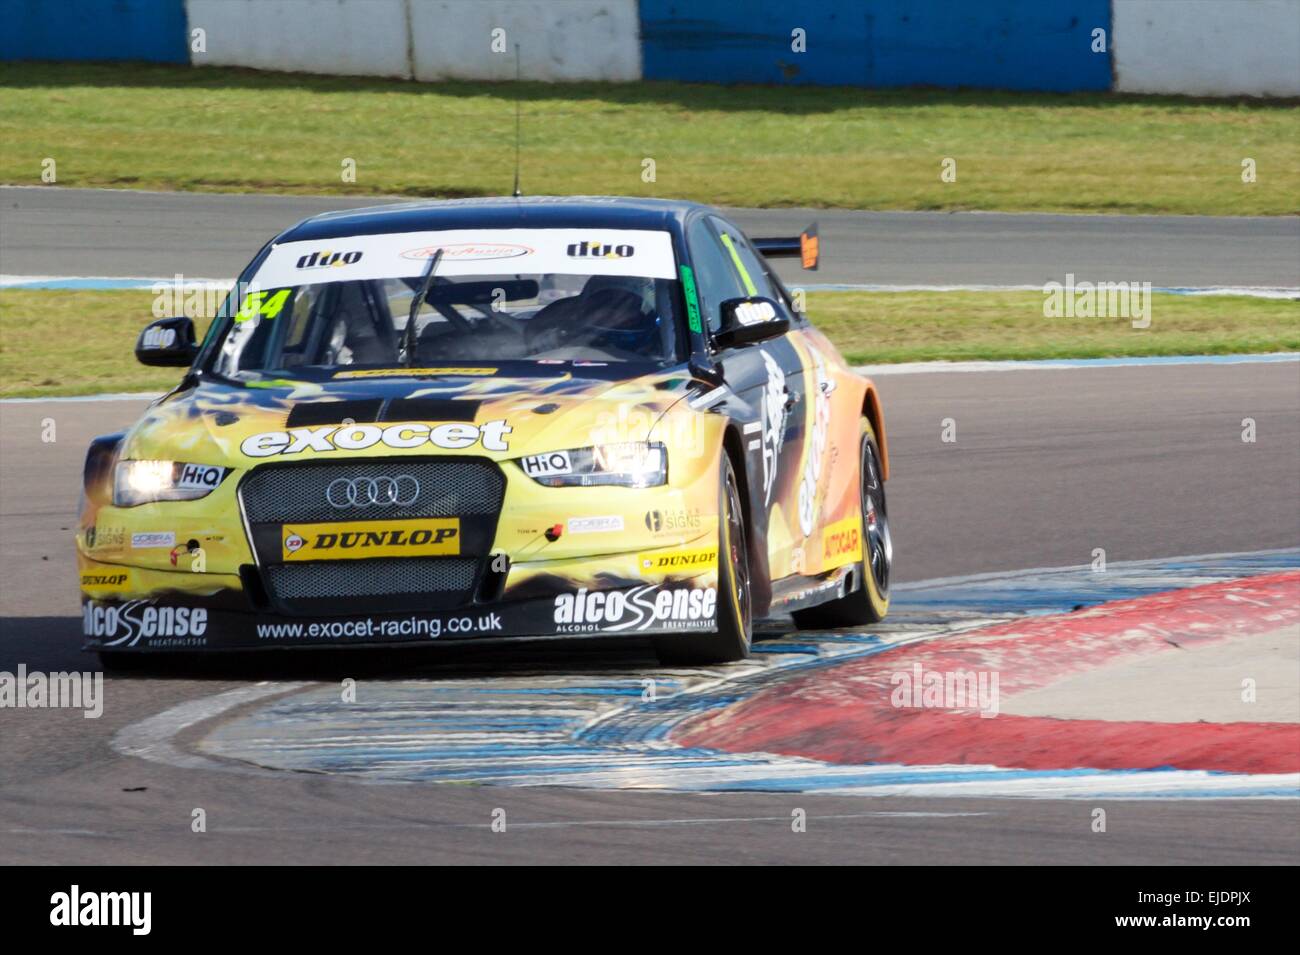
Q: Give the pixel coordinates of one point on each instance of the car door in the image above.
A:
(767, 378)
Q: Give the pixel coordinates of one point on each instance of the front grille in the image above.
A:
(433, 577)
(296, 493)
(278, 496)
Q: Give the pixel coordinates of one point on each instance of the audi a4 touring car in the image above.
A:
(488, 420)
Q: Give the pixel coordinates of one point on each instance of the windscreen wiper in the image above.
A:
(408, 342)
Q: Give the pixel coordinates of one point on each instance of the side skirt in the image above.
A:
(799, 593)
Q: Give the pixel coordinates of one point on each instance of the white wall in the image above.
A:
(1207, 47)
(558, 39)
(345, 37)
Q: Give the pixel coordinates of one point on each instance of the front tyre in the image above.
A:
(731, 639)
(870, 602)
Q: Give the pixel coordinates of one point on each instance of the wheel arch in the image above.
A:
(872, 410)
(97, 471)
(760, 574)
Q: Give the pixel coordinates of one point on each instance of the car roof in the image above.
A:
(528, 212)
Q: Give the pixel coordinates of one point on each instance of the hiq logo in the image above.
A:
(200, 476)
(326, 259)
(600, 250)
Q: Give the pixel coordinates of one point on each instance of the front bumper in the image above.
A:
(233, 570)
(630, 594)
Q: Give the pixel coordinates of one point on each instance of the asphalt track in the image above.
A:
(102, 232)
(1144, 461)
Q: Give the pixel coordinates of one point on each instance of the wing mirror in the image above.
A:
(168, 342)
(749, 320)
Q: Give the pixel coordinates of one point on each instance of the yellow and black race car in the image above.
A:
(493, 419)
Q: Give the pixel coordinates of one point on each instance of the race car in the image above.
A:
(489, 420)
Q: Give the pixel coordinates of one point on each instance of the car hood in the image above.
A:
(218, 422)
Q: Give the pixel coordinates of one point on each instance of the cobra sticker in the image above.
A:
(411, 538)
(455, 436)
(596, 525)
(842, 543)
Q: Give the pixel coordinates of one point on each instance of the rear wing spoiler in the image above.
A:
(804, 247)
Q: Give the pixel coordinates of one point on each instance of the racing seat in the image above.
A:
(355, 329)
(608, 313)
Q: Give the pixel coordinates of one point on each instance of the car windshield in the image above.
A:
(557, 295)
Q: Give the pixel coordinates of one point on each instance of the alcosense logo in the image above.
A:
(611, 611)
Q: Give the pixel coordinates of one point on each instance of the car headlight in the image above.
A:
(629, 464)
(142, 482)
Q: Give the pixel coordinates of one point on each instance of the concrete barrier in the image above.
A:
(1007, 44)
(1247, 47)
(1195, 47)
(304, 36)
(424, 39)
(558, 40)
(151, 30)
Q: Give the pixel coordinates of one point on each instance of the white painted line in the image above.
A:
(60, 399)
(1111, 567)
(1249, 291)
(113, 282)
(152, 738)
(1057, 364)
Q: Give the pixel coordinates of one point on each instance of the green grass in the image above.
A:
(61, 343)
(70, 343)
(161, 127)
(967, 326)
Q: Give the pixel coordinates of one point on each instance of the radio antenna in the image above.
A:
(517, 193)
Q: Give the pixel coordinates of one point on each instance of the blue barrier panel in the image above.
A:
(94, 30)
(989, 44)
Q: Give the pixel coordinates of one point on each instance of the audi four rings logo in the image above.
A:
(400, 491)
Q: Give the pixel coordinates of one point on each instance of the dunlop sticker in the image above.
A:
(680, 562)
(418, 538)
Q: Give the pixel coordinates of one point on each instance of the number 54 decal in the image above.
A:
(266, 304)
